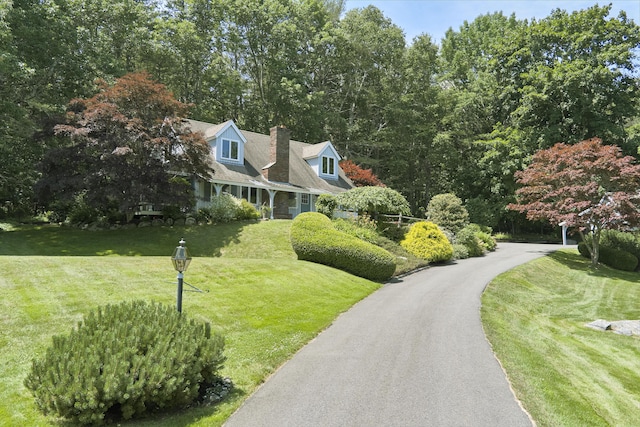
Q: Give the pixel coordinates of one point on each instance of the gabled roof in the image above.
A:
(302, 177)
(211, 131)
(314, 150)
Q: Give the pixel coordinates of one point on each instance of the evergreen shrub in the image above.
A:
(448, 212)
(620, 240)
(315, 239)
(612, 257)
(125, 360)
(425, 240)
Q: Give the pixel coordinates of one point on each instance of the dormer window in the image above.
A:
(323, 159)
(328, 165)
(230, 150)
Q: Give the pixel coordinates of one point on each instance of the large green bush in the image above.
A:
(620, 240)
(314, 238)
(227, 208)
(374, 200)
(427, 241)
(124, 360)
(612, 257)
(448, 212)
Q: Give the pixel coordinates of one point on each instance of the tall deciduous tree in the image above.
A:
(588, 185)
(127, 145)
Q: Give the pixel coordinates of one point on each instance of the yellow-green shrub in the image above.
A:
(425, 240)
(314, 238)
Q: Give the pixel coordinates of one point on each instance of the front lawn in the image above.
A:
(565, 373)
(265, 302)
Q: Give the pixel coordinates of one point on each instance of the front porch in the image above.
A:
(282, 204)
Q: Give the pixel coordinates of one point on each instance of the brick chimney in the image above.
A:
(278, 168)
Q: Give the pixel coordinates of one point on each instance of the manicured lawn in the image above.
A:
(565, 373)
(265, 302)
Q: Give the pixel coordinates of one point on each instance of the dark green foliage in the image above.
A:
(612, 257)
(314, 238)
(124, 360)
(427, 241)
(326, 204)
(448, 212)
(617, 239)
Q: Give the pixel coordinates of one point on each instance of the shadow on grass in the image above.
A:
(575, 261)
(202, 241)
(176, 418)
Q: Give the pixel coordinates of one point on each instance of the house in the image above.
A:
(268, 170)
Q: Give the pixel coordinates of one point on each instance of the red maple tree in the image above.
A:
(359, 176)
(588, 185)
(126, 145)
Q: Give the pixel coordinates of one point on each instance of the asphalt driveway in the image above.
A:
(412, 354)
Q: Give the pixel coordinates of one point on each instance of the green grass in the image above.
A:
(565, 373)
(265, 302)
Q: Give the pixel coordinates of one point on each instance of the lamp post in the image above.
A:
(181, 260)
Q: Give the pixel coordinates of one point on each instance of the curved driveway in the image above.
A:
(411, 354)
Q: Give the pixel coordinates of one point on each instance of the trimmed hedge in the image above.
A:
(425, 240)
(123, 361)
(314, 239)
(612, 257)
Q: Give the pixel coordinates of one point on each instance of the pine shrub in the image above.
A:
(425, 240)
(125, 360)
(314, 239)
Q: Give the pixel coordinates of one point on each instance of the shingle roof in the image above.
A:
(302, 178)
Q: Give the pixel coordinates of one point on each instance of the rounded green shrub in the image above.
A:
(247, 210)
(125, 360)
(314, 239)
(620, 240)
(448, 212)
(612, 257)
(468, 238)
(460, 251)
(425, 240)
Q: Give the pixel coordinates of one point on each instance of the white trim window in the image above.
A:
(230, 150)
(304, 198)
(328, 166)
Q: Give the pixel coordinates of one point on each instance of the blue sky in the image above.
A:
(436, 16)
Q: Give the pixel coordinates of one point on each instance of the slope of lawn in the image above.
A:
(266, 302)
(564, 373)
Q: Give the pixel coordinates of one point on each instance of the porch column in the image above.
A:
(218, 188)
(272, 196)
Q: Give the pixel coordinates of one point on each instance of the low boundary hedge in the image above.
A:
(314, 239)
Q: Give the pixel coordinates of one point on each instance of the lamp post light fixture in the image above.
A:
(181, 260)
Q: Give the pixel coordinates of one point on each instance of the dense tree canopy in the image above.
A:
(459, 118)
(587, 185)
(127, 145)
